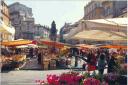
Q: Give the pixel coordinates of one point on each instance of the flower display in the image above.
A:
(75, 78)
(70, 78)
(91, 81)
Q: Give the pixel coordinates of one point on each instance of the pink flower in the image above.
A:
(91, 81)
(70, 78)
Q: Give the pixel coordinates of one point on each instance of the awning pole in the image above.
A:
(0, 43)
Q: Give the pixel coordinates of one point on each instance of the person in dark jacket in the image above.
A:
(112, 64)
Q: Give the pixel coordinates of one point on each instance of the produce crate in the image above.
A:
(52, 64)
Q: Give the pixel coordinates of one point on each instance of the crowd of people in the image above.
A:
(99, 58)
(95, 58)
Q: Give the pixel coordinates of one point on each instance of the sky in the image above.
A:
(61, 11)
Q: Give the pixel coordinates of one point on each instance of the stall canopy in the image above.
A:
(114, 46)
(17, 42)
(100, 29)
(52, 43)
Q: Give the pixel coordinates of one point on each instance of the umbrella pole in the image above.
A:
(0, 42)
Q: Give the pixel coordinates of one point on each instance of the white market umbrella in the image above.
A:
(114, 24)
(110, 29)
(100, 35)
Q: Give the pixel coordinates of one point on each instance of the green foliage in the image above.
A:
(81, 83)
(86, 75)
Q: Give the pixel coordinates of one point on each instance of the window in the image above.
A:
(108, 11)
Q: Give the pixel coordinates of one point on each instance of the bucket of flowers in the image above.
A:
(111, 78)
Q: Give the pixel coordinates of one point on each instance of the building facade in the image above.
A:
(113, 9)
(93, 10)
(6, 30)
(41, 32)
(22, 19)
(105, 9)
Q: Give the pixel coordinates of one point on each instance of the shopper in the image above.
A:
(101, 63)
(112, 63)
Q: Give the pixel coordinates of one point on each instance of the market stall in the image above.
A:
(51, 59)
(14, 55)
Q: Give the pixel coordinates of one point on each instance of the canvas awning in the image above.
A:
(17, 42)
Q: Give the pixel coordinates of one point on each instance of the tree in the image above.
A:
(53, 31)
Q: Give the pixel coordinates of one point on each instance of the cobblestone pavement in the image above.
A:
(26, 77)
